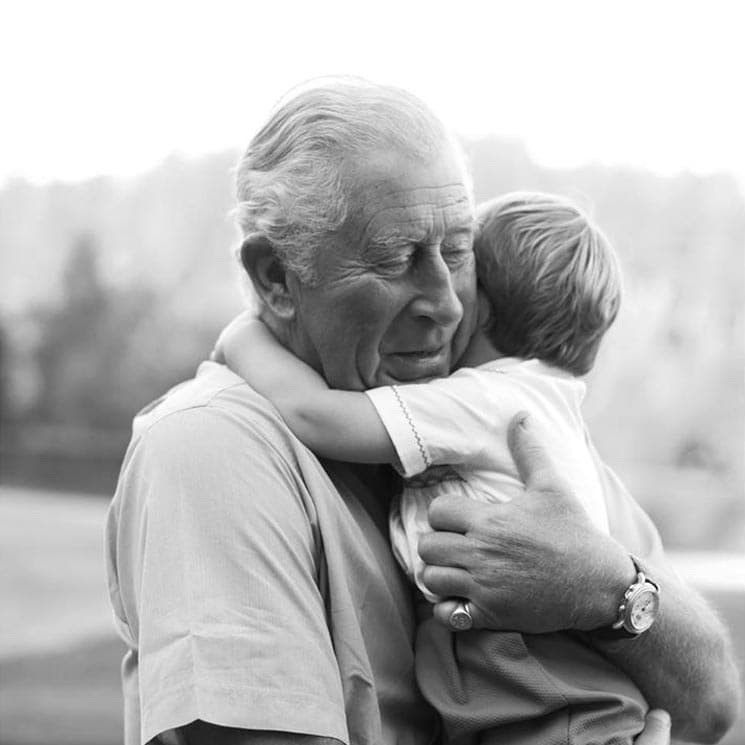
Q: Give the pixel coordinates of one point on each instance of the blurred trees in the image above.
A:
(103, 351)
(76, 355)
(111, 292)
(79, 363)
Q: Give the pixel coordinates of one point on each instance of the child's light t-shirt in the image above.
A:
(462, 421)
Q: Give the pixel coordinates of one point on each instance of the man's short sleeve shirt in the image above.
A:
(252, 590)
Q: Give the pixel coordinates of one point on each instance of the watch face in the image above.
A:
(643, 610)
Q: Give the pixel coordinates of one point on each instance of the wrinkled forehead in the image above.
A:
(425, 217)
(394, 196)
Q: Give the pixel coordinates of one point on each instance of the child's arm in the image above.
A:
(342, 425)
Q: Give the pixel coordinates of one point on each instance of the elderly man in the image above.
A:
(252, 583)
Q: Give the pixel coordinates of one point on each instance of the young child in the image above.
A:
(552, 284)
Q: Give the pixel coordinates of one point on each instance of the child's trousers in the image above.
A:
(507, 688)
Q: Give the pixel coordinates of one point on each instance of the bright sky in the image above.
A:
(103, 87)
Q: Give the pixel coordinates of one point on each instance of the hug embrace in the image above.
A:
(376, 515)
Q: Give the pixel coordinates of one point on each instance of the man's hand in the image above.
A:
(535, 564)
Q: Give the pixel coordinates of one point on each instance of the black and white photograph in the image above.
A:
(372, 374)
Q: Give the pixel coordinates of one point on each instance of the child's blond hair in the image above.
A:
(551, 276)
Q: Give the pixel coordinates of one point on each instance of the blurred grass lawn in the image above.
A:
(59, 658)
(63, 698)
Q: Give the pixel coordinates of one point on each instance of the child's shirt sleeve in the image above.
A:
(441, 422)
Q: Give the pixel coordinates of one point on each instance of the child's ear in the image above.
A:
(268, 276)
(484, 308)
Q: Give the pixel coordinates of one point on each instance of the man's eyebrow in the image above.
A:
(384, 246)
(393, 239)
(389, 237)
(469, 225)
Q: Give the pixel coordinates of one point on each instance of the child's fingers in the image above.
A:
(656, 729)
(234, 327)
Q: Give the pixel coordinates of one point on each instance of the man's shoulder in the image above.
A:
(214, 386)
(214, 397)
(214, 435)
(210, 419)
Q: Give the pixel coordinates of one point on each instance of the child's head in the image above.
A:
(551, 276)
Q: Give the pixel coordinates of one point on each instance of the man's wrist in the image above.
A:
(620, 573)
(637, 608)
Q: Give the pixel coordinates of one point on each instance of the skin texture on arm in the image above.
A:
(538, 565)
(342, 425)
(685, 663)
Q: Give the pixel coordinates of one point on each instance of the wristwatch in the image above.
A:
(637, 610)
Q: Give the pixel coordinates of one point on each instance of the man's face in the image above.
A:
(396, 300)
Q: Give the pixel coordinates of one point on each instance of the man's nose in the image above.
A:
(436, 296)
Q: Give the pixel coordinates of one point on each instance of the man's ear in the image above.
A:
(268, 276)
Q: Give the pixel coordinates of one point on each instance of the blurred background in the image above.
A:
(121, 125)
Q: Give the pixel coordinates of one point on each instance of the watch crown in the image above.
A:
(637, 610)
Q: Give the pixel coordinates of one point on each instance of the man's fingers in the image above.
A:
(656, 729)
(444, 549)
(443, 610)
(453, 512)
(447, 581)
(536, 469)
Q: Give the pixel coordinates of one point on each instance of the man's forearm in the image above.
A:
(684, 663)
(537, 564)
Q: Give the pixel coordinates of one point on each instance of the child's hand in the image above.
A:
(230, 335)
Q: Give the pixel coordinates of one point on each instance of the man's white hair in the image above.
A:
(290, 183)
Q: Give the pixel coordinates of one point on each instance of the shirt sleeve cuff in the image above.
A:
(243, 708)
(397, 419)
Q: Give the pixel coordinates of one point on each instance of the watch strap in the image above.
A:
(618, 630)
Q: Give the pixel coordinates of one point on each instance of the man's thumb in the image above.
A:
(531, 457)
